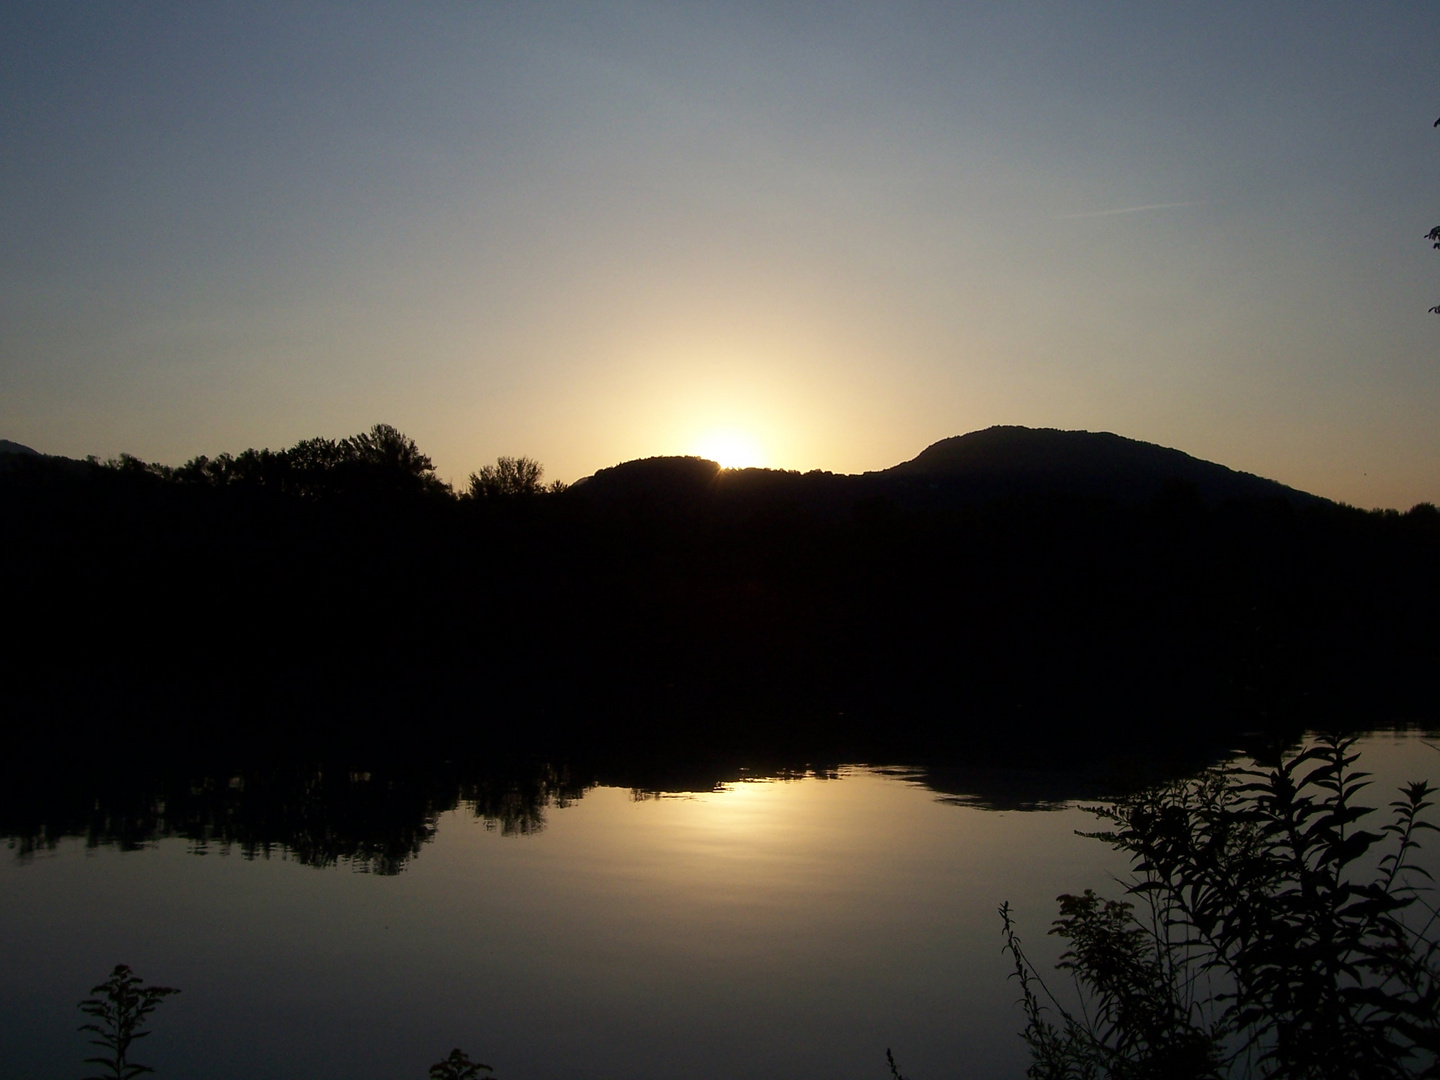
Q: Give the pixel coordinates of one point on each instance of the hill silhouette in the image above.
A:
(1006, 463)
(1001, 462)
(1011, 460)
(1007, 591)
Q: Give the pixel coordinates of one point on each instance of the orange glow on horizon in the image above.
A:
(731, 448)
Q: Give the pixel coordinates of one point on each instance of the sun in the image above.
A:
(732, 448)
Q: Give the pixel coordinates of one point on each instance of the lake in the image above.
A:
(771, 927)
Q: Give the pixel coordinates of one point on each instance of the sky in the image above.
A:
(797, 235)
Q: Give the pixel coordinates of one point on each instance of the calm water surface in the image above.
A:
(790, 928)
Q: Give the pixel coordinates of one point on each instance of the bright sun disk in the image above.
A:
(732, 449)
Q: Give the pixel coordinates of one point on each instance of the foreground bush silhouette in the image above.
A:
(1269, 940)
(122, 1003)
(458, 1066)
(120, 1008)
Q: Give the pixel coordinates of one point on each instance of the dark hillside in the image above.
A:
(658, 484)
(998, 463)
(334, 597)
(1017, 460)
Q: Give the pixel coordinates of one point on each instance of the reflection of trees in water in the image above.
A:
(516, 806)
(375, 821)
(696, 780)
(370, 821)
(367, 820)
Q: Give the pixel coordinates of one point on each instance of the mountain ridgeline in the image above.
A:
(999, 463)
(1009, 590)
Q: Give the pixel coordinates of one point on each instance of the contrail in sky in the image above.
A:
(1128, 209)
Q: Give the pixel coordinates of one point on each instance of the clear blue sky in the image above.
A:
(825, 235)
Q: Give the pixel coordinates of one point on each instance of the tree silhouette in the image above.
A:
(390, 448)
(509, 477)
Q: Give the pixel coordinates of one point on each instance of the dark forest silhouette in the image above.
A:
(1062, 590)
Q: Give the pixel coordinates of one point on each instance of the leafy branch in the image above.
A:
(120, 1006)
(1277, 943)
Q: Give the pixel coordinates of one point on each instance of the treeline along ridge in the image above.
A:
(338, 594)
